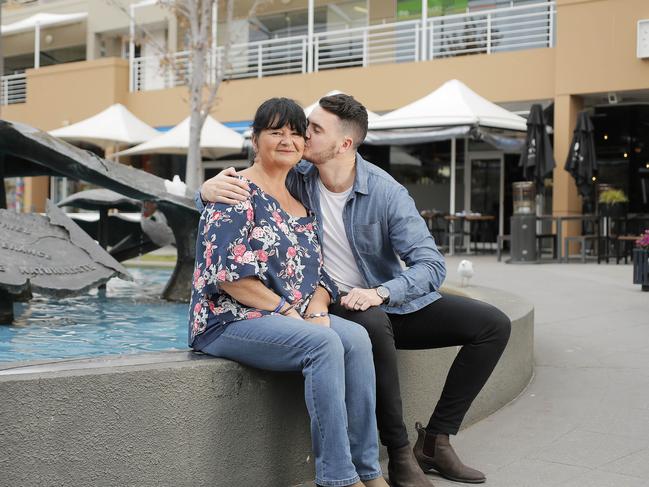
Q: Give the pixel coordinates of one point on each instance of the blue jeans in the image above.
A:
(339, 385)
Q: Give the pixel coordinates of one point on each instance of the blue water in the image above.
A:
(129, 318)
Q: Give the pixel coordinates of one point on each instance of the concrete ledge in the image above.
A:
(181, 419)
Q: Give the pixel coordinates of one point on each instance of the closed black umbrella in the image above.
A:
(582, 161)
(537, 160)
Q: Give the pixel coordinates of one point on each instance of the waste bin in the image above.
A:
(523, 223)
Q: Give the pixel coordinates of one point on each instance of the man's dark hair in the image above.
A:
(275, 113)
(352, 114)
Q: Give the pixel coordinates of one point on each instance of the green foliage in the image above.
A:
(612, 197)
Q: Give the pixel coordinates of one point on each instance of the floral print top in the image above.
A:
(255, 237)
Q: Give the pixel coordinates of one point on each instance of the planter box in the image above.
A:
(641, 268)
(615, 210)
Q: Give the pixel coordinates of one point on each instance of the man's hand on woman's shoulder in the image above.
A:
(225, 187)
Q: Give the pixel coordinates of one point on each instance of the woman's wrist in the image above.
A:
(318, 314)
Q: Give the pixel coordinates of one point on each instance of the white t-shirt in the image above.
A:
(338, 258)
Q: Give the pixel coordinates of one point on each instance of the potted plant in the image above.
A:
(613, 203)
(641, 261)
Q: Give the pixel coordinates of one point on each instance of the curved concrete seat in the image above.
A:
(183, 419)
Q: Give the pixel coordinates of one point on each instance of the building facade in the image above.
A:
(568, 55)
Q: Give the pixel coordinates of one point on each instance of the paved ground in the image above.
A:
(584, 419)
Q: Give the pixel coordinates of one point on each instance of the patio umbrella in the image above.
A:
(582, 160)
(114, 125)
(217, 140)
(536, 159)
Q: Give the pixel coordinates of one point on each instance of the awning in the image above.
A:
(42, 20)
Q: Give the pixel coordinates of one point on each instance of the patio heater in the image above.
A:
(523, 223)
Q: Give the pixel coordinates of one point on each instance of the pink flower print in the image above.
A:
(197, 308)
(250, 215)
(253, 314)
(239, 250)
(200, 282)
(262, 256)
(277, 217)
(289, 270)
(212, 307)
(248, 257)
(197, 274)
(291, 252)
(258, 233)
(216, 216)
(221, 276)
(309, 227)
(297, 295)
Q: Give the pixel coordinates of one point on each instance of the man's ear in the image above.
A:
(348, 144)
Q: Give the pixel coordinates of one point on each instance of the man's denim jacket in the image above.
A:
(384, 228)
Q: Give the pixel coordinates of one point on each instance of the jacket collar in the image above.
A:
(310, 172)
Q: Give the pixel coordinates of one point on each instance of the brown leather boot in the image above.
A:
(403, 469)
(435, 452)
(379, 482)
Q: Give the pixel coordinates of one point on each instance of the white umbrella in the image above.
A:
(451, 111)
(452, 104)
(217, 140)
(115, 125)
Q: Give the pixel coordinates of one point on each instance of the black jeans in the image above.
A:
(481, 329)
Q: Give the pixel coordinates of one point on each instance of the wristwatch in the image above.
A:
(384, 293)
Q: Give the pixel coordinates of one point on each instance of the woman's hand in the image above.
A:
(225, 187)
(294, 314)
(320, 320)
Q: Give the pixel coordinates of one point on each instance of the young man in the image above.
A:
(370, 224)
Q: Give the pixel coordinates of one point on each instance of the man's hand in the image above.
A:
(225, 187)
(359, 299)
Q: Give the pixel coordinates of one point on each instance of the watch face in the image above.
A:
(383, 292)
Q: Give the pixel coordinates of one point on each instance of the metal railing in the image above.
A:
(13, 89)
(376, 44)
(489, 31)
(482, 32)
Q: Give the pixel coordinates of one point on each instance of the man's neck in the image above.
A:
(338, 175)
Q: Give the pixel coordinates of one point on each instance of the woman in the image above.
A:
(260, 297)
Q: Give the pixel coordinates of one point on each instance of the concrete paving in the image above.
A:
(584, 419)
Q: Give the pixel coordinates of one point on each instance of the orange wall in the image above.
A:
(596, 46)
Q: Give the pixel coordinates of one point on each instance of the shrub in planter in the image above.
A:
(613, 203)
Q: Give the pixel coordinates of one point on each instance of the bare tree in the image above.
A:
(206, 69)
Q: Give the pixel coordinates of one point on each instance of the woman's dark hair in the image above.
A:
(351, 113)
(278, 112)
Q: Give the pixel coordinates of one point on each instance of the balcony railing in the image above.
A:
(483, 32)
(13, 89)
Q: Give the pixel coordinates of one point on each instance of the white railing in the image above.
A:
(482, 32)
(489, 31)
(13, 89)
(377, 44)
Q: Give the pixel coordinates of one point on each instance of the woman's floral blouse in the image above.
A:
(256, 238)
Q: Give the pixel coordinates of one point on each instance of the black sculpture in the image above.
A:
(31, 152)
(49, 255)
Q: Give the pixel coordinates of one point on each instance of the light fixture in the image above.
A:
(605, 136)
(647, 165)
(594, 178)
(48, 39)
(626, 155)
